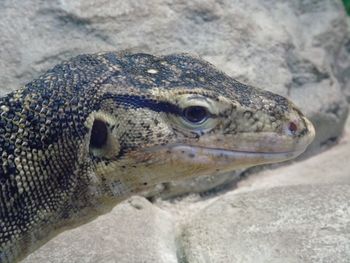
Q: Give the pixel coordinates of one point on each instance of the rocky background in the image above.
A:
(299, 49)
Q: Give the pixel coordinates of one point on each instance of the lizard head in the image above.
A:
(177, 116)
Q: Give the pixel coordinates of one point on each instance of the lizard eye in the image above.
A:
(195, 114)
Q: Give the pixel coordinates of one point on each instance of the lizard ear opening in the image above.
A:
(99, 134)
(103, 140)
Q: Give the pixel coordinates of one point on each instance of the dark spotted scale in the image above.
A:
(41, 128)
(44, 156)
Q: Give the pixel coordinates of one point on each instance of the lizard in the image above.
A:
(98, 128)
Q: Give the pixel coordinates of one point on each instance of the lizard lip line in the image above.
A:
(225, 152)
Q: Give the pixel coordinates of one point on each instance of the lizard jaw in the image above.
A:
(216, 159)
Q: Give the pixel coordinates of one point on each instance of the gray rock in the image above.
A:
(134, 231)
(290, 224)
(276, 45)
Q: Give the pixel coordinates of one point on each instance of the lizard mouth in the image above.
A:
(227, 159)
(235, 152)
(239, 154)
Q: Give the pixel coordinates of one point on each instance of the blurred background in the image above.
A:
(347, 6)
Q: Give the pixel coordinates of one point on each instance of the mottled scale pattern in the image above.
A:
(70, 140)
(41, 126)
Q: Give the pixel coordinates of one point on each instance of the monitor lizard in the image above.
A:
(99, 128)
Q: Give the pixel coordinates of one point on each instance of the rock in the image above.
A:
(342, 69)
(134, 231)
(289, 224)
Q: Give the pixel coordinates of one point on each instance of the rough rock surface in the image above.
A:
(134, 231)
(290, 224)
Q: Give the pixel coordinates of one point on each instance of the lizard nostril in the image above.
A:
(292, 127)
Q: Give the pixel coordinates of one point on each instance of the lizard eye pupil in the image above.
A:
(99, 134)
(196, 114)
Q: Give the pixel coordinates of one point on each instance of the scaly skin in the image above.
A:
(98, 128)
